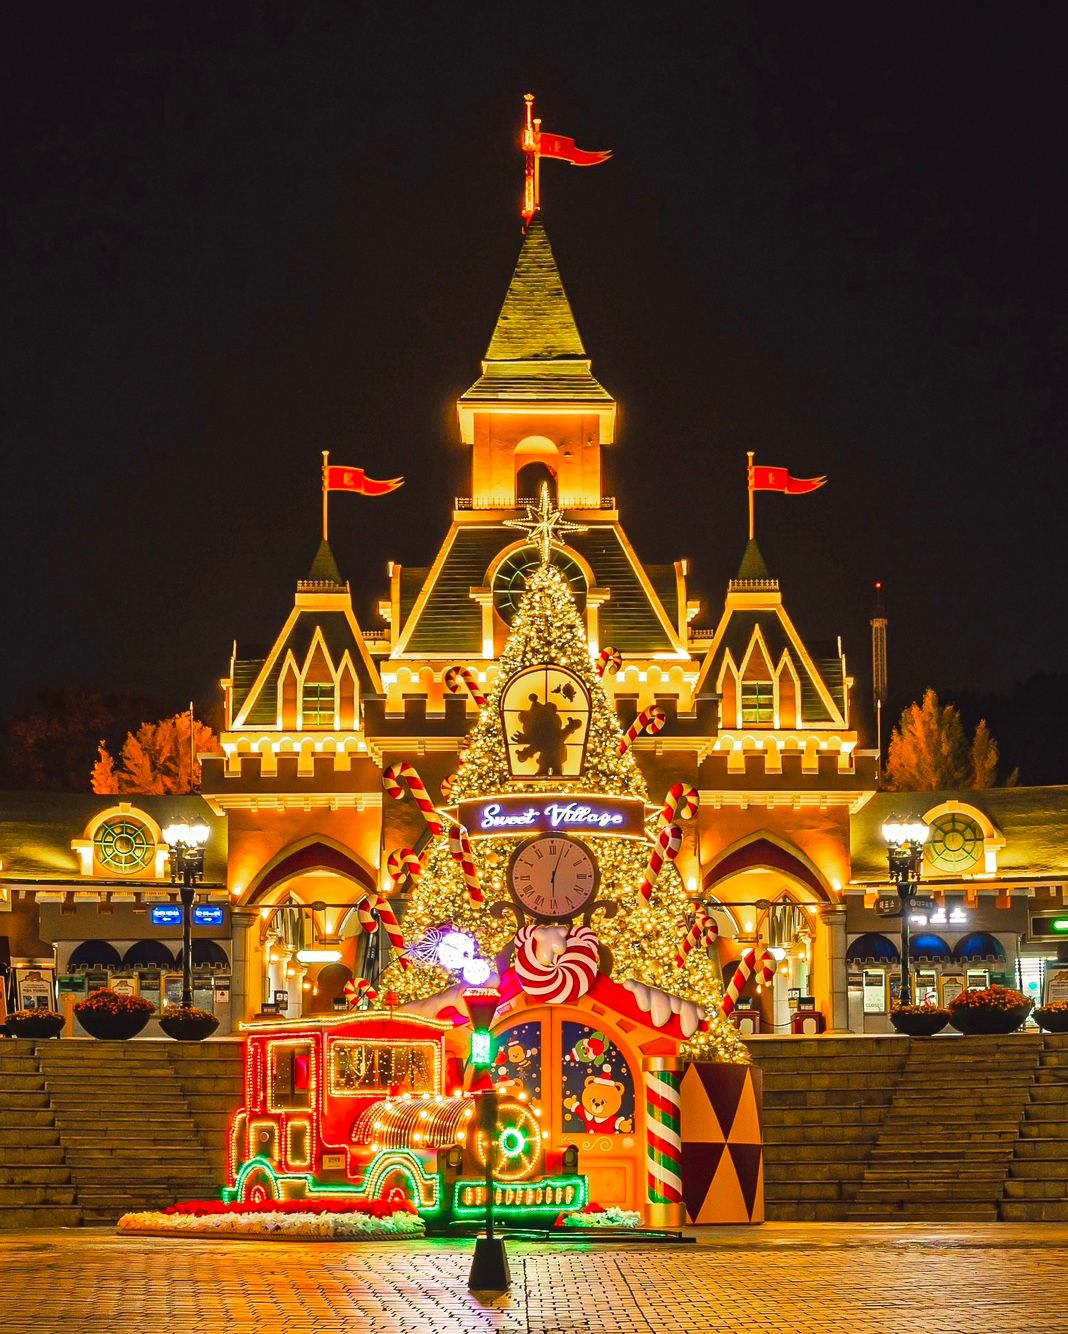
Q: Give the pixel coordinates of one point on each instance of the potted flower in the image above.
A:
(35, 1023)
(1053, 1016)
(919, 1021)
(113, 1015)
(992, 1009)
(185, 1023)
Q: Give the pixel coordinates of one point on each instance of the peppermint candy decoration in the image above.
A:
(650, 720)
(456, 678)
(399, 776)
(566, 980)
(609, 661)
(665, 849)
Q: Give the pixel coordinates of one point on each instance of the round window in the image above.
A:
(123, 845)
(955, 844)
(513, 572)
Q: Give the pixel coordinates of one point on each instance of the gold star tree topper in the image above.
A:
(544, 524)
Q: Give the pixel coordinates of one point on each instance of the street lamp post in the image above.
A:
(905, 837)
(186, 844)
(489, 1266)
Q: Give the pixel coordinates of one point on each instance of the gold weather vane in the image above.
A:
(543, 524)
(537, 144)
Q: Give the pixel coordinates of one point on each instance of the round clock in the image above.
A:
(553, 876)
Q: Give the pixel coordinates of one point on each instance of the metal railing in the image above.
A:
(518, 502)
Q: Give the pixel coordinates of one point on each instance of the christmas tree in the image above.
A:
(642, 937)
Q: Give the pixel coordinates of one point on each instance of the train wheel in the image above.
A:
(259, 1187)
(396, 1189)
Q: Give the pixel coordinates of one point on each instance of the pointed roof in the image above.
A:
(535, 322)
(536, 353)
(324, 568)
(753, 565)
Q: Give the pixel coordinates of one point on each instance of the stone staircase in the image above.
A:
(125, 1126)
(947, 1141)
(1036, 1190)
(211, 1076)
(825, 1100)
(35, 1182)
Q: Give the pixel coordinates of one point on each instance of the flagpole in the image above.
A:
(326, 460)
(749, 479)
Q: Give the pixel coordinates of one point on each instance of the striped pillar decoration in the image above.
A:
(663, 1146)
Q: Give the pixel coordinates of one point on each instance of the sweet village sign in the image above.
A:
(552, 812)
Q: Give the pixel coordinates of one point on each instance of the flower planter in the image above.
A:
(1053, 1021)
(35, 1026)
(113, 1027)
(189, 1027)
(920, 1024)
(976, 1020)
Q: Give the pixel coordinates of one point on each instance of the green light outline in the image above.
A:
(581, 1184)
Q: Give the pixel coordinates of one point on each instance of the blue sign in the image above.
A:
(167, 915)
(208, 914)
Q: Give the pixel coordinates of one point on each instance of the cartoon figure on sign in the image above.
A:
(588, 1049)
(544, 735)
(514, 1061)
(602, 1097)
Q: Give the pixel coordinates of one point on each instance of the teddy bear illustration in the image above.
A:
(602, 1097)
(513, 1061)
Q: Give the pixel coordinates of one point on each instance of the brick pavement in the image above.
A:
(779, 1279)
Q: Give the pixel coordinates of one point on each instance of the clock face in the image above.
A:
(553, 876)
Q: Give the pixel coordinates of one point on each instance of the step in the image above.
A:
(32, 1216)
(1047, 1111)
(1038, 1211)
(36, 1194)
(923, 1213)
(1040, 1148)
(11, 1155)
(1039, 1169)
(33, 1174)
(840, 1152)
(40, 1132)
(1036, 1190)
(14, 1102)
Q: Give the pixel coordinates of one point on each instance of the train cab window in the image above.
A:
(290, 1076)
(358, 1068)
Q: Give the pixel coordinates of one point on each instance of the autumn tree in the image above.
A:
(160, 759)
(930, 750)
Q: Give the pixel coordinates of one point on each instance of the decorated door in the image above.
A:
(584, 1082)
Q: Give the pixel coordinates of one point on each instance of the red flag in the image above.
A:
(558, 145)
(779, 479)
(355, 479)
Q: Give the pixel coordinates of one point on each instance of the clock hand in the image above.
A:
(556, 867)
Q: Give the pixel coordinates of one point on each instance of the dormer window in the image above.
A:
(317, 704)
(758, 704)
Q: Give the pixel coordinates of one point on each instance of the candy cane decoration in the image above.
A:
(374, 911)
(663, 1136)
(565, 980)
(665, 849)
(746, 967)
(403, 774)
(650, 720)
(458, 677)
(404, 864)
(680, 803)
(609, 661)
(358, 989)
(446, 786)
(460, 847)
(703, 931)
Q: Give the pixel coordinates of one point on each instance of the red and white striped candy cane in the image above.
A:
(703, 931)
(609, 661)
(397, 776)
(386, 917)
(460, 847)
(446, 786)
(746, 966)
(650, 720)
(404, 864)
(458, 677)
(665, 849)
(680, 803)
(358, 989)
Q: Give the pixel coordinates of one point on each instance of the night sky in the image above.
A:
(239, 234)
